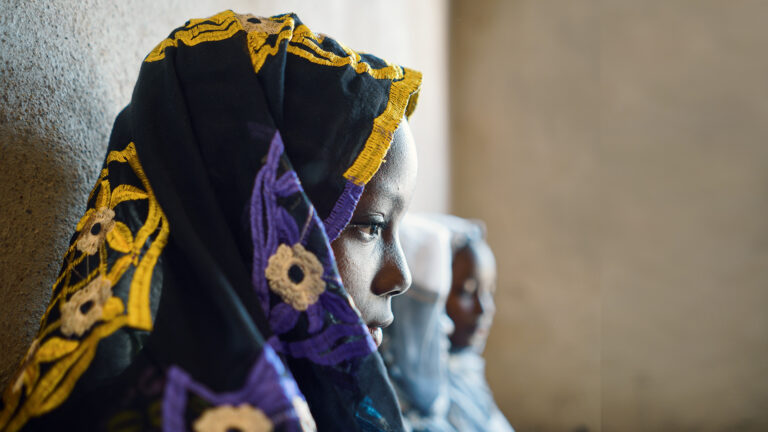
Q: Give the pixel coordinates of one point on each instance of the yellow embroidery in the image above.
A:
(127, 193)
(55, 348)
(218, 27)
(265, 36)
(120, 238)
(402, 101)
(88, 309)
(302, 42)
(307, 46)
(258, 47)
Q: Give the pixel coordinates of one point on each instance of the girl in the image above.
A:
(235, 263)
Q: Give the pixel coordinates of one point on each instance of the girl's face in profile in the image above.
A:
(368, 253)
(470, 301)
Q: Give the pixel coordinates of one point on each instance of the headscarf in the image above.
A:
(199, 290)
(415, 346)
(439, 391)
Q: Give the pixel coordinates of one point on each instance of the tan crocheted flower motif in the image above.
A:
(95, 230)
(253, 23)
(296, 275)
(305, 416)
(27, 358)
(223, 418)
(85, 307)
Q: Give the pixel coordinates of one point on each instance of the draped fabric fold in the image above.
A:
(199, 290)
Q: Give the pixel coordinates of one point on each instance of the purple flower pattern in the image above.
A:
(268, 389)
(334, 331)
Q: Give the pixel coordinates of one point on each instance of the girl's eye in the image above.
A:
(369, 230)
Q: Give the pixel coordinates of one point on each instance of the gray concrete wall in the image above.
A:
(619, 152)
(67, 68)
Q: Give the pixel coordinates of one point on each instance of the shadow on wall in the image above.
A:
(56, 111)
(39, 192)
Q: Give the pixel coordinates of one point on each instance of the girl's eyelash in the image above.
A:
(375, 228)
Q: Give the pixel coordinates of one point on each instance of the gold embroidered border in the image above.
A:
(303, 43)
(225, 24)
(71, 357)
(402, 101)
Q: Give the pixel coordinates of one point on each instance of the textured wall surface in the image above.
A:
(67, 68)
(617, 150)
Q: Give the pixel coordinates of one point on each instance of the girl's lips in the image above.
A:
(376, 334)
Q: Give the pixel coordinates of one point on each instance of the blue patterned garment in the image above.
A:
(439, 390)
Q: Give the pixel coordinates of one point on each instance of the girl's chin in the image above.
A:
(376, 334)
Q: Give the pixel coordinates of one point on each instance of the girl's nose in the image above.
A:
(394, 278)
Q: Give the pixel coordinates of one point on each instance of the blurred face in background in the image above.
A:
(470, 303)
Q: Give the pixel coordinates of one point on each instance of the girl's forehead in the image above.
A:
(396, 178)
(476, 260)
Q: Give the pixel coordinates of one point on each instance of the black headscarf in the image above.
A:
(200, 290)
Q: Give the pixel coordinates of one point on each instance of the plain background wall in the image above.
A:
(525, 101)
(618, 151)
(67, 68)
